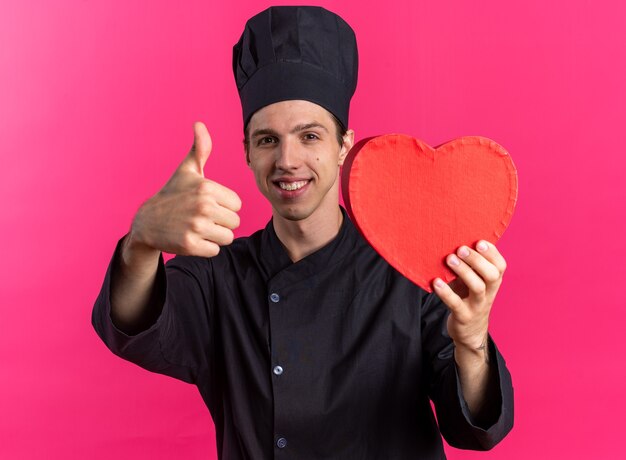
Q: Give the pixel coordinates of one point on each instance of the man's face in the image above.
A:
(295, 157)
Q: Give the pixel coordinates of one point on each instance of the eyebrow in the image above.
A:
(297, 128)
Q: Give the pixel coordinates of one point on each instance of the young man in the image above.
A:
(302, 340)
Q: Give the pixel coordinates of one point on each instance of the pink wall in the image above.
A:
(97, 102)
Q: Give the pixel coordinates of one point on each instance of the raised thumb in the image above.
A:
(201, 148)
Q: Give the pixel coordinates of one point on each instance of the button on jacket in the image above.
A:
(332, 357)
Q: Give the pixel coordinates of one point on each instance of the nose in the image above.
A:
(288, 155)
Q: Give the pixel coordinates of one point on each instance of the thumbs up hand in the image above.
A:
(190, 215)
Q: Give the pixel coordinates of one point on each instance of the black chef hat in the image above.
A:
(296, 52)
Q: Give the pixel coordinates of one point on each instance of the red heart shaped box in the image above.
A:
(416, 204)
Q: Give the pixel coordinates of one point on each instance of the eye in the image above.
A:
(266, 140)
(311, 136)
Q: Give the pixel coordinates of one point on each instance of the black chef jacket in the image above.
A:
(332, 357)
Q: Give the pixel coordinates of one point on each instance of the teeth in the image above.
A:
(292, 185)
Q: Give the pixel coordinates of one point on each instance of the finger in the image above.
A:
(474, 283)
(209, 210)
(203, 248)
(200, 150)
(222, 195)
(226, 218)
(483, 267)
(216, 234)
(490, 252)
(450, 298)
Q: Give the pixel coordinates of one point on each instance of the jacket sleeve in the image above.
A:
(176, 341)
(456, 423)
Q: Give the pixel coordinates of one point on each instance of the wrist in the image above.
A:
(136, 253)
(472, 353)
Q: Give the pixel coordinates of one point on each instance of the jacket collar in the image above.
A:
(275, 259)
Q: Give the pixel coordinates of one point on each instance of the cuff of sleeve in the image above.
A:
(156, 345)
(493, 404)
(496, 419)
(115, 338)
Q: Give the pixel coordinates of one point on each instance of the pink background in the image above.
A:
(97, 102)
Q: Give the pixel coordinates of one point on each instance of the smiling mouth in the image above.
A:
(290, 186)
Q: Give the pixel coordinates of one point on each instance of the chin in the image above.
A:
(293, 213)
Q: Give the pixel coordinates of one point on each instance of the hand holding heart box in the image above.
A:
(416, 204)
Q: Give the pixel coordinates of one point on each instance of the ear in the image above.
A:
(348, 142)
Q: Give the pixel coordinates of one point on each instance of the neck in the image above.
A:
(304, 237)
